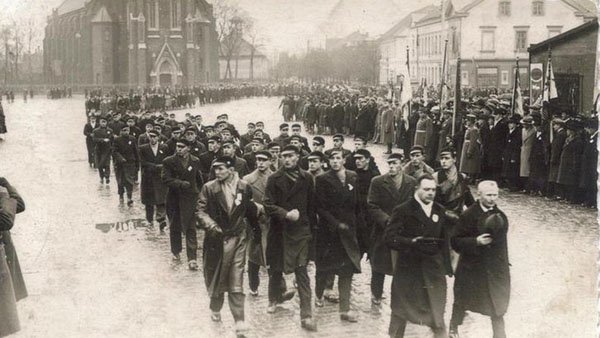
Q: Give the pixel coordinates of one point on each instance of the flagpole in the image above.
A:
(409, 77)
(514, 96)
(441, 95)
(457, 96)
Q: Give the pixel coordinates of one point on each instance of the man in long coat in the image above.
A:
(88, 131)
(386, 192)
(511, 155)
(182, 175)
(153, 190)
(497, 142)
(470, 159)
(223, 205)
(570, 161)
(12, 288)
(388, 128)
(337, 247)
(556, 146)
(365, 173)
(538, 160)
(482, 282)
(424, 134)
(527, 141)
(103, 138)
(417, 233)
(127, 161)
(289, 201)
(589, 165)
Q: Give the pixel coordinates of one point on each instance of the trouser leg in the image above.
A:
(275, 278)
(329, 281)
(304, 291)
(191, 242)
(236, 305)
(498, 327)
(344, 287)
(439, 332)
(320, 283)
(120, 189)
(216, 302)
(397, 327)
(149, 212)
(458, 315)
(160, 213)
(253, 279)
(175, 234)
(377, 280)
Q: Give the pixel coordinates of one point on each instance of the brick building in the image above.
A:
(131, 43)
(574, 66)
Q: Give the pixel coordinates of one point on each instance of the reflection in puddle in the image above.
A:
(129, 225)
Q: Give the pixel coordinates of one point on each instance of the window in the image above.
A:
(537, 8)
(175, 14)
(487, 77)
(152, 14)
(504, 77)
(504, 8)
(521, 41)
(464, 77)
(487, 41)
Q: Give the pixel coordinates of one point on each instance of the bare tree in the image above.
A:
(255, 41)
(230, 27)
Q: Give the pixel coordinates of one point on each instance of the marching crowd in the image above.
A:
(281, 202)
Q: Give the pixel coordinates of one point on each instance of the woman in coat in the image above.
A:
(12, 285)
(470, 159)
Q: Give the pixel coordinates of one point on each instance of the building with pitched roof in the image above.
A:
(488, 35)
(131, 43)
(249, 63)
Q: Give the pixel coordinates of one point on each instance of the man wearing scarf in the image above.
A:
(223, 205)
(289, 201)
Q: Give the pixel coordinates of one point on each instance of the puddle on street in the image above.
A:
(129, 225)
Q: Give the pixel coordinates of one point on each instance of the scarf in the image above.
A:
(292, 174)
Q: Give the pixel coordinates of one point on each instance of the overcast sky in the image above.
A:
(285, 24)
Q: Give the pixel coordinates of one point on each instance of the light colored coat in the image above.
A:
(526, 146)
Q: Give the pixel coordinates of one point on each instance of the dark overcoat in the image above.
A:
(419, 284)
(126, 159)
(511, 156)
(497, 141)
(589, 164)
(3, 129)
(363, 124)
(153, 189)
(482, 281)
(184, 184)
(570, 162)
(103, 149)
(288, 242)
(383, 198)
(212, 210)
(538, 158)
(337, 250)
(556, 147)
(12, 284)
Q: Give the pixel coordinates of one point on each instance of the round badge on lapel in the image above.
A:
(435, 218)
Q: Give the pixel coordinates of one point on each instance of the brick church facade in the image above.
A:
(131, 43)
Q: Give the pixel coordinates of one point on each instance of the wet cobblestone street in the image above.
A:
(90, 273)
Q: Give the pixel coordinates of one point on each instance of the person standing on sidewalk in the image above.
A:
(482, 282)
(289, 201)
(12, 285)
(182, 175)
(337, 247)
(223, 206)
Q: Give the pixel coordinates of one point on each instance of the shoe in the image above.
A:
(308, 324)
(319, 302)
(272, 307)
(101, 181)
(215, 317)
(241, 330)
(176, 257)
(287, 296)
(375, 301)
(162, 226)
(130, 203)
(193, 265)
(107, 180)
(349, 317)
(254, 293)
(453, 332)
(121, 200)
(330, 296)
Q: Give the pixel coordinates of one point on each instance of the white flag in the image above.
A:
(550, 86)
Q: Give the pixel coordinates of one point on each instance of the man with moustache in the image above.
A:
(386, 192)
(228, 149)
